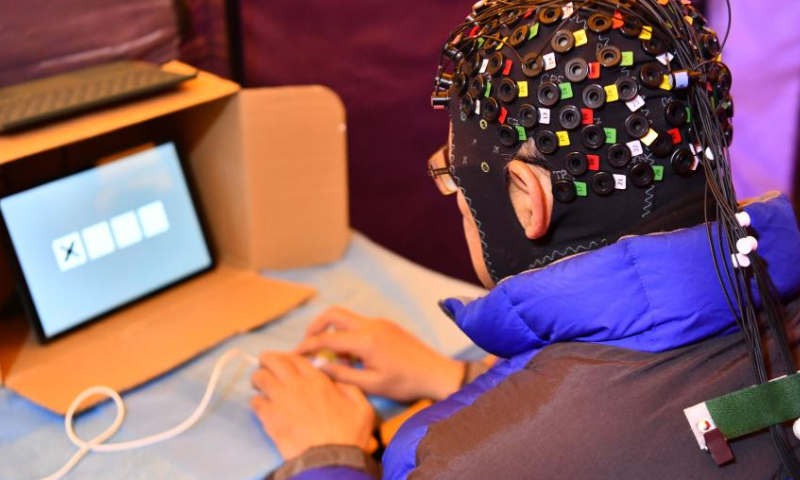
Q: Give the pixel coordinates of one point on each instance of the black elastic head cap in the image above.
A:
(604, 96)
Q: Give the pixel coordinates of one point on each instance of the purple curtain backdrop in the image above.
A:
(381, 58)
(204, 36)
(763, 52)
(45, 37)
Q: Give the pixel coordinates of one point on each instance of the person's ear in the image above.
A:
(527, 194)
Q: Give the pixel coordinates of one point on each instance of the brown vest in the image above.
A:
(585, 411)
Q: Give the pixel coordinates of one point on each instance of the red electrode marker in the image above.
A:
(594, 162)
(474, 31)
(503, 115)
(507, 69)
(594, 70)
(528, 13)
(617, 21)
(676, 136)
(588, 116)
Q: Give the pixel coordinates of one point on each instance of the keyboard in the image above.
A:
(32, 103)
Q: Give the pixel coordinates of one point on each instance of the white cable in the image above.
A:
(97, 443)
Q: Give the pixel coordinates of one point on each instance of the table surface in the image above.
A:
(228, 442)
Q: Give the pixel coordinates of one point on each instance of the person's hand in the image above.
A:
(395, 363)
(301, 407)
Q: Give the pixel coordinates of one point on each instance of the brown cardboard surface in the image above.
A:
(205, 88)
(271, 167)
(295, 149)
(144, 340)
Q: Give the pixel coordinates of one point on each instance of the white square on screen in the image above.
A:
(98, 240)
(126, 229)
(153, 218)
(69, 251)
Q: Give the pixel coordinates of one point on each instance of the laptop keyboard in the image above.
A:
(28, 104)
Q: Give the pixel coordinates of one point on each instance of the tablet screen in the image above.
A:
(94, 241)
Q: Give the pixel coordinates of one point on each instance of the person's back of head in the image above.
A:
(597, 100)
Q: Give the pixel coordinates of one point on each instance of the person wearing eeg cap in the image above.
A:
(588, 153)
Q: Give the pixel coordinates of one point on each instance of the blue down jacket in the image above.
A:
(648, 293)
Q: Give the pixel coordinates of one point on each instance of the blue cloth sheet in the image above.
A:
(228, 442)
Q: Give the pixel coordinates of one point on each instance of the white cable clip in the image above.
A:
(744, 219)
(796, 429)
(747, 245)
(740, 261)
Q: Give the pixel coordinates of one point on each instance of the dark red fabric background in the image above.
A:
(381, 57)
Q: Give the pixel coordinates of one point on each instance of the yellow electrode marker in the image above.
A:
(647, 33)
(612, 94)
(650, 137)
(665, 83)
(580, 37)
(523, 89)
(563, 138)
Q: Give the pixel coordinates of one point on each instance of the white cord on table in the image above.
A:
(97, 443)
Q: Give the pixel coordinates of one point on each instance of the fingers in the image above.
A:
(303, 365)
(366, 380)
(264, 381)
(349, 342)
(336, 317)
(279, 364)
(261, 407)
(353, 393)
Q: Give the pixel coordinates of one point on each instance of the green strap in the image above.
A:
(757, 408)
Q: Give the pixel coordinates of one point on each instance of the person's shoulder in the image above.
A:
(580, 410)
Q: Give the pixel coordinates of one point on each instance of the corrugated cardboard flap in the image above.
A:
(146, 339)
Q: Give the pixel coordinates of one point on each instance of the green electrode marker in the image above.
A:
(566, 90)
(580, 189)
(521, 133)
(611, 135)
(627, 59)
(533, 30)
(658, 170)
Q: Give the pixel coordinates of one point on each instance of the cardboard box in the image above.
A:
(269, 167)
